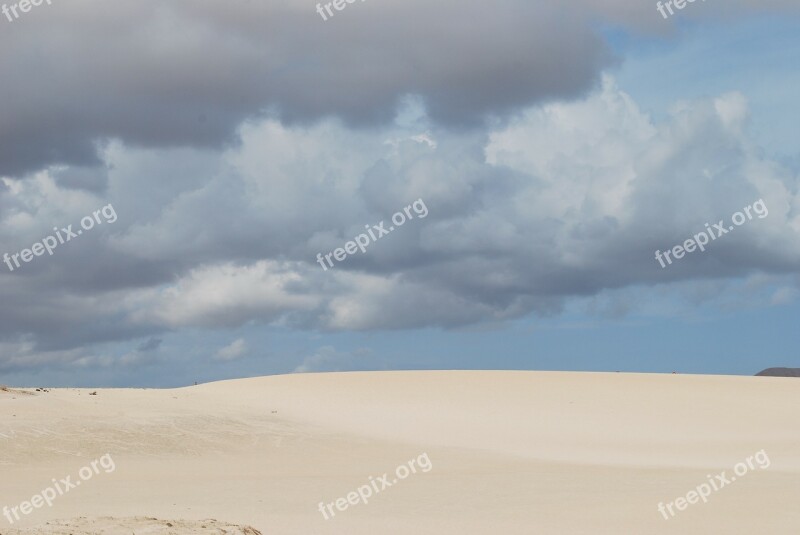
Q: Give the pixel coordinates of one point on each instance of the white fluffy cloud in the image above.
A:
(330, 359)
(232, 351)
(568, 199)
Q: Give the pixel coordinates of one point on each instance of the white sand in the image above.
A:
(512, 453)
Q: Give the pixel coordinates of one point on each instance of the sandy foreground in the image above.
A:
(494, 453)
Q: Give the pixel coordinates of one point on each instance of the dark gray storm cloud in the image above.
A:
(187, 73)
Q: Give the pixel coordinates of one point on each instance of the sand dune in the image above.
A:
(510, 452)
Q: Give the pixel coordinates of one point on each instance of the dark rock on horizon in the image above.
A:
(780, 372)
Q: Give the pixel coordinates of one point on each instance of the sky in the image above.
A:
(211, 155)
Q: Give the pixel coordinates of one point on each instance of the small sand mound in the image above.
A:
(133, 526)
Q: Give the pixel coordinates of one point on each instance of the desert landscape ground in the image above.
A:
(510, 453)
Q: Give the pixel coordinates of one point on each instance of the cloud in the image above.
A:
(190, 73)
(565, 200)
(27, 355)
(327, 359)
(232, 351)
(225, 295)
(151, 344)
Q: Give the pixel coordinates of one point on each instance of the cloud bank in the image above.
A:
(188, 73)
(566, 200)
